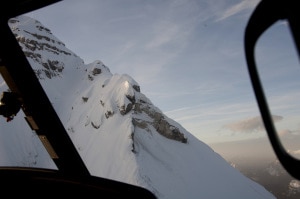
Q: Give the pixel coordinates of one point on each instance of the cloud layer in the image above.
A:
(250, 125)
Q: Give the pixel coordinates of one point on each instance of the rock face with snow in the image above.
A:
(35, 44)
(117, 130)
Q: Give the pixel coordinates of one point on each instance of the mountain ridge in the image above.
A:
(117, 130)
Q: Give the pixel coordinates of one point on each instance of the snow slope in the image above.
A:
(118, 132)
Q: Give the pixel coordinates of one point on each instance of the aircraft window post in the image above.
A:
(264, 16)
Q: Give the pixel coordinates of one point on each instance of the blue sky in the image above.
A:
(187, 56)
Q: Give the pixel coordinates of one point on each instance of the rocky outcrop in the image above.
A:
(158, 121)
(38, 41)
(127, 99)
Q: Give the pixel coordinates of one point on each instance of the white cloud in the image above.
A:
(250, 125)
(284, 132)
(237, 8)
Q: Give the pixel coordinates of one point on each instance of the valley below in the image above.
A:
(256, 160)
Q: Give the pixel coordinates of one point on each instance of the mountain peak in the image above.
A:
(35, 40)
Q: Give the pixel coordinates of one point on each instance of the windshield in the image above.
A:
(118, 72)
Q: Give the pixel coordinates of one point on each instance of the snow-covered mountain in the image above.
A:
(118, 132)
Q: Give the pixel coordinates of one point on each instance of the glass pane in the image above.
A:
(27, 149)
(278, 65)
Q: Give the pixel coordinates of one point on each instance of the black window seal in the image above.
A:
(265, 15)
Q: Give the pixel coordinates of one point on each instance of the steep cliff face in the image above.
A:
(37, 40)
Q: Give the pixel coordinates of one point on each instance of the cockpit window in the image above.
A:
(149, 86)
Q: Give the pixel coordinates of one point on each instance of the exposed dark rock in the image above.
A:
(101, 102)
(137, 88)
(108, 114)
(95, 126)
(125, 109)
(90, 77)
(131, 98)
(159, 122)
(85, 99)
(96, 71)
(36, 42)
